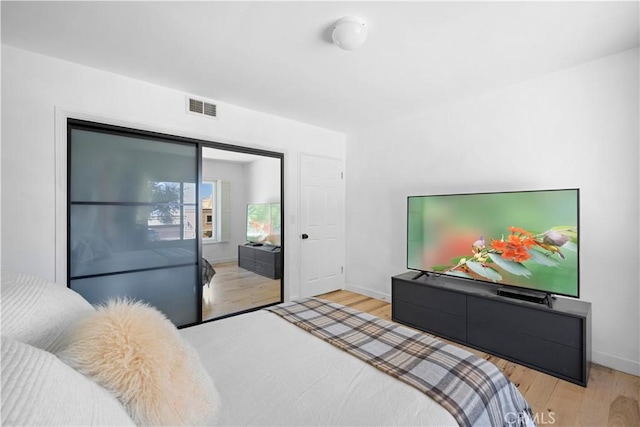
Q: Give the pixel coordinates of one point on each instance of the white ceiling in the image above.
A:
(277, 57)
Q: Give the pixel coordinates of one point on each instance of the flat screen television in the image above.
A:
(523, 239)
(263, 223)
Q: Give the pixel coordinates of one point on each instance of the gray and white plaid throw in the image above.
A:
(472, 389)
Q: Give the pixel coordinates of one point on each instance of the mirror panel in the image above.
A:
(241, 225)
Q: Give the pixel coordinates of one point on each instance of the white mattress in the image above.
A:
(270, 372)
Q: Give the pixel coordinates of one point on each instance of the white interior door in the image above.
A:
(321, 225)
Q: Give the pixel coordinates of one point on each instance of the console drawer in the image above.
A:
(543, 324)
(426, 319)
(429, 297)
(264, 256)
(548, 356)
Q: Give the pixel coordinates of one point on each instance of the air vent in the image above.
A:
(209, 109)
(197, 106)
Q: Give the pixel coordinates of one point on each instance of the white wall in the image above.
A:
(263, 181)
(33, 86)
(234, 174)
(574, 128)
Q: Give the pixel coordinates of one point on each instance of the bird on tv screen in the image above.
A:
(526, 239)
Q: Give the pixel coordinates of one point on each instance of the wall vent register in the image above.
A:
(197, 106)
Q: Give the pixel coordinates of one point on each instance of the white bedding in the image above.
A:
(270, 372)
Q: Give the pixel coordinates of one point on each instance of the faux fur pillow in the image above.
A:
(134, 351)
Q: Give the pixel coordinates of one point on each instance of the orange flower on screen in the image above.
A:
(509, 253)
(498, 245)
(528, 241)
(516, 245)
(521, 254)
(514, 240)
(519, 230)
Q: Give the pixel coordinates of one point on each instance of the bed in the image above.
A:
(278, 374)
(262, 368)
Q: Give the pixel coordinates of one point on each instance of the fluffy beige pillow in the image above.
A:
(134, 351)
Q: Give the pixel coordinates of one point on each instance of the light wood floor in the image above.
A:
(610, 399)
(235, 289)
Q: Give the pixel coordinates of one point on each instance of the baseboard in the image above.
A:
(222, 260)
(368, 292)
(615, 362)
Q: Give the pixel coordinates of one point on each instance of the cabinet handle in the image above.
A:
(305, 236)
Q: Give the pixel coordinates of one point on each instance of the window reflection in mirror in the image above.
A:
(215, 195)
(240, 272)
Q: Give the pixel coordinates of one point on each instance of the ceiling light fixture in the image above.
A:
(350, 32)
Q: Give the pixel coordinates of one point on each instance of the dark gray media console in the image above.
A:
(555, 340)
(265, 260)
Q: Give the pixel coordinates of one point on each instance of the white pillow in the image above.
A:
(135, 352)
(39, 389)
(36, 311)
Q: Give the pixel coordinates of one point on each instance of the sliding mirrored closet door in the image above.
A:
(191, 227)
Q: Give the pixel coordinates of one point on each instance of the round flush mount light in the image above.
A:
(349, 33)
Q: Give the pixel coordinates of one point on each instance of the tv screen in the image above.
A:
(263, 223)
(527, 239)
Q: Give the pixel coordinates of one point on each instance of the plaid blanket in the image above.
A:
(472, 389)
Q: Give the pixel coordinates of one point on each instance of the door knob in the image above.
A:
(305, 236)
